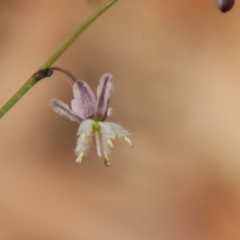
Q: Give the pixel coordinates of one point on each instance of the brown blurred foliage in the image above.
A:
(176, 75)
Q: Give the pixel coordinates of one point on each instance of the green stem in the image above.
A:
(35, 78)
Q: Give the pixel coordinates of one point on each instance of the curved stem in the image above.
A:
(64, 71)
(36, 76)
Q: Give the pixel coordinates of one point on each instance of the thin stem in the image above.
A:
(37, 76)
(64, 71)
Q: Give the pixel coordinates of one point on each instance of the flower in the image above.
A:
(91, 115)
(225, 5)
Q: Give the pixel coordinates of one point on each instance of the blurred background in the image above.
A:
(176, 76)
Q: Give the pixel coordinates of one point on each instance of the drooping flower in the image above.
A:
(225, 5)
(91, 114)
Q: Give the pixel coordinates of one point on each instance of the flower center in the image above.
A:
(96, 127)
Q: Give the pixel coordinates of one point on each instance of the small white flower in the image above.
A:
(91, 115)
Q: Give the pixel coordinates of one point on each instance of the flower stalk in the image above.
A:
(39, 74)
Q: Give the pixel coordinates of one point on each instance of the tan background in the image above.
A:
(176, 75)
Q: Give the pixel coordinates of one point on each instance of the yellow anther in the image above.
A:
(106, 161)
(128, 141)
(110, 144)
(79, 158)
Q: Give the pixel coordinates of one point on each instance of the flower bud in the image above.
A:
(225, 5)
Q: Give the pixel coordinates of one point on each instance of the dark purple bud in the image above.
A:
(225, 5)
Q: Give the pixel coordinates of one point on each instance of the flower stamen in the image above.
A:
(106, 160)
(79, 158)
(83, 137)
(128, 141)
(99, 152)
(110, 144)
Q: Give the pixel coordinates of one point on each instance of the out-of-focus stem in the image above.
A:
(39, 74)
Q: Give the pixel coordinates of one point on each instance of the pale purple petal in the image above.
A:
(73, 105)
(104, 92)
(64, 110)
(109, 112)
(84, 101)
